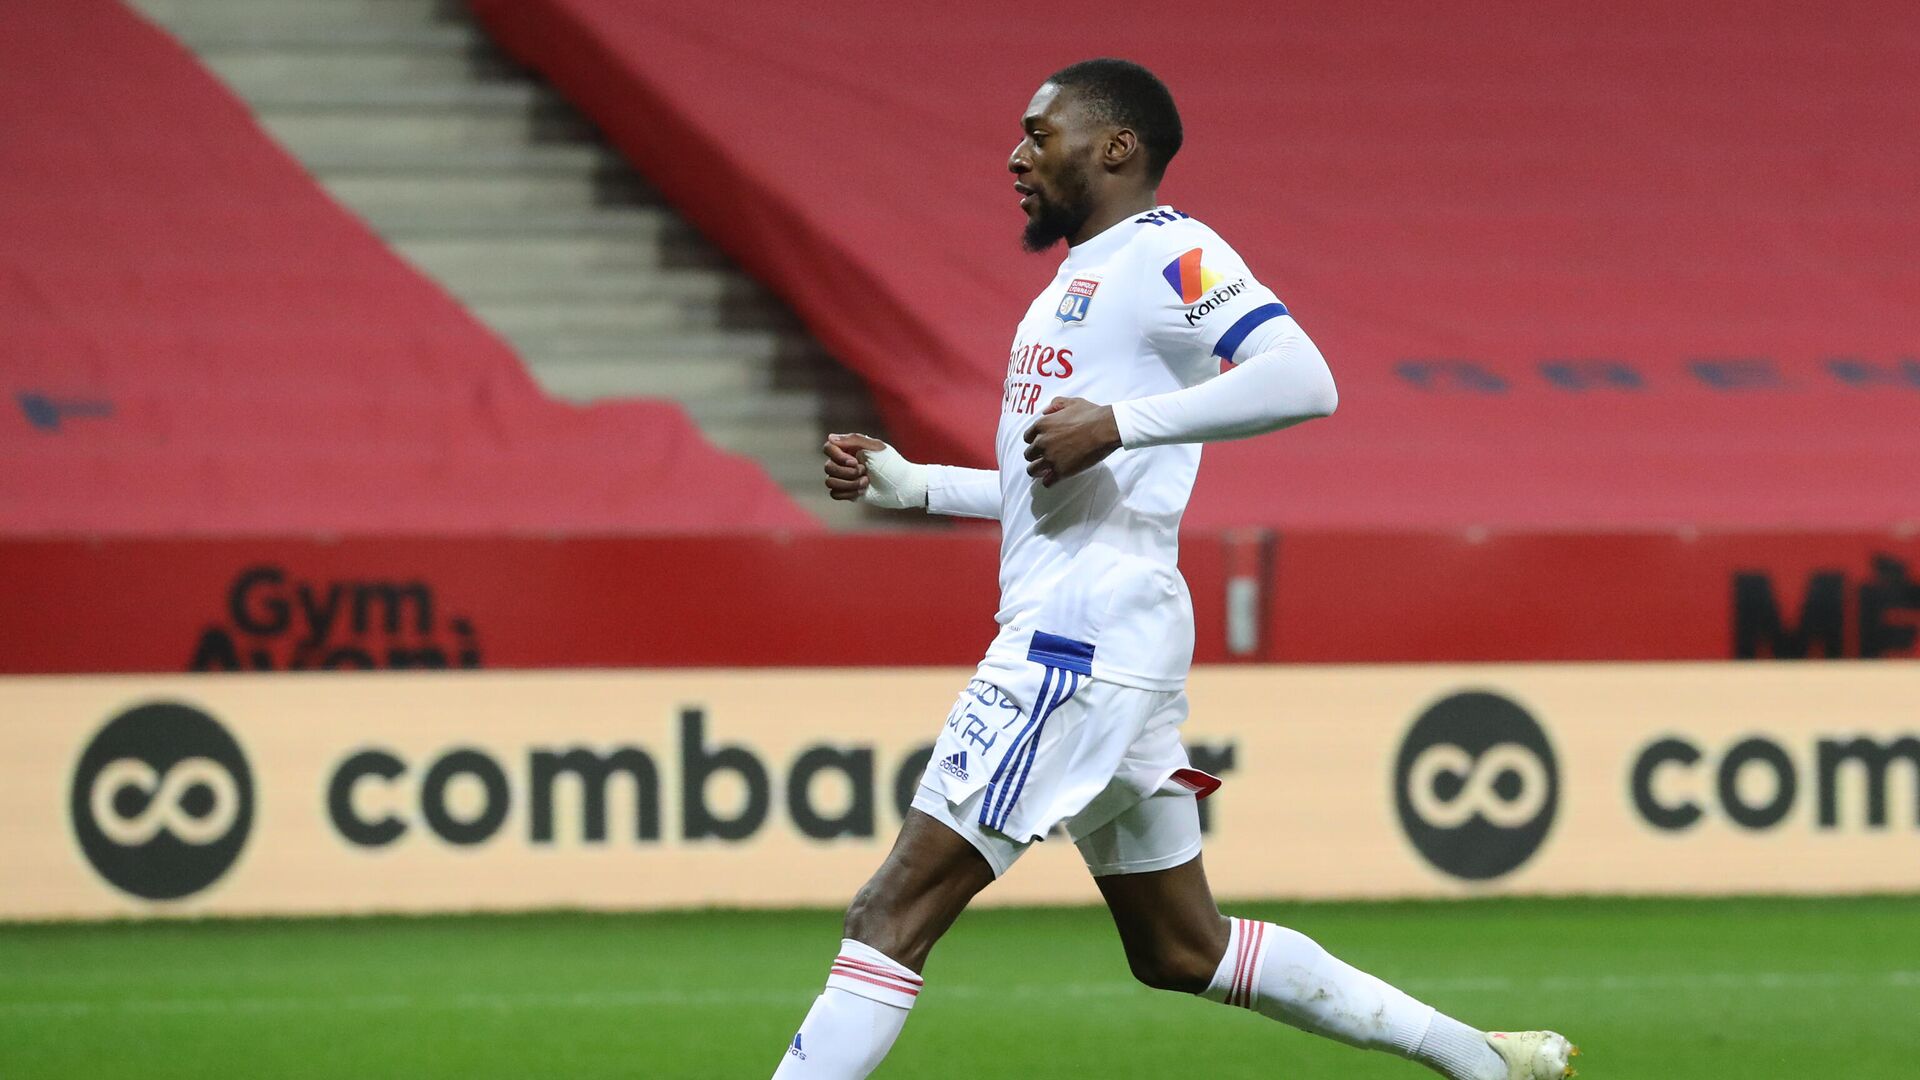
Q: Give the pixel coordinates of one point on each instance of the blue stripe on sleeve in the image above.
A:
(1248, 323)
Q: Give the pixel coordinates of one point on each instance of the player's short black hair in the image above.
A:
(1122, 92)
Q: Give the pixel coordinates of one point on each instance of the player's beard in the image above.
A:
(1060, 218)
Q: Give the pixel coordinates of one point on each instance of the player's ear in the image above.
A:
(1121, 148)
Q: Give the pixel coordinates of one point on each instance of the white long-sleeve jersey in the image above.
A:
(1141, 317)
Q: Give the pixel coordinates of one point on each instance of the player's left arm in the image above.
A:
(1284, 382)
(1203, 307)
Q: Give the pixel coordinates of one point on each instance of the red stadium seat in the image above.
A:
(194, 339)
(1630, 265)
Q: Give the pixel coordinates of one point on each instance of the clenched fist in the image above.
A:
(846, 473)
(1071, 436)
(861, 467)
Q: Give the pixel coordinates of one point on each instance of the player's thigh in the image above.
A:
(1148, 867)
(1158, 832)
(922, 886)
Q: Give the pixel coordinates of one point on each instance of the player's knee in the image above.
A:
(1181, 957)
(1182, 971)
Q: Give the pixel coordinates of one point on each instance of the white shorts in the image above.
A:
(1160, 832)
(1028, 746)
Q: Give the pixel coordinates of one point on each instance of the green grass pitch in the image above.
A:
(1654, 990)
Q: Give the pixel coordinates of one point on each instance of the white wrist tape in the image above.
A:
(893, 482)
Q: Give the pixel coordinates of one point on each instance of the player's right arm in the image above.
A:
(862, 468)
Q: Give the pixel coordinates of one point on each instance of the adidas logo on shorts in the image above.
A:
(955, 766)
(795, 1048)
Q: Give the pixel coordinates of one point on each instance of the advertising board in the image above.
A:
(447, 791)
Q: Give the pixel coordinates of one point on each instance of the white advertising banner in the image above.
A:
(326, 793)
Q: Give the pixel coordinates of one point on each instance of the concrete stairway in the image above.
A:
(477, 173)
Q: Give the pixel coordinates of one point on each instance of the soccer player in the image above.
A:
(1113, 381)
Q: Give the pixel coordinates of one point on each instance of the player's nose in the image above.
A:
(1017, 162)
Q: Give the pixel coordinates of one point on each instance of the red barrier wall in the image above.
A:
(1343, 597)
(916, 600)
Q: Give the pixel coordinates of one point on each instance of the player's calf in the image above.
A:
(1181, 957)
(924, 884)
(1287, 976)
(1186, 973)
(1148, 867)
(891, 927)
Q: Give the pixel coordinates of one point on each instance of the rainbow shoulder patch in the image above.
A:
(1189, 277)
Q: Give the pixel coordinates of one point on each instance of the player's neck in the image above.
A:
(1106, 217)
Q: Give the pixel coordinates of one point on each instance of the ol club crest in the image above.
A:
(1074, 305)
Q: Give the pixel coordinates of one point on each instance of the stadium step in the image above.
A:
(560, 159)
(584, 377)
(687, 345)
(565, 254)
(251, 67)
(300, 13)
(484, 179)
(377, 193)
(468, 95)
(415, 130)
(212, 37)
(483, 285)
(515, 316)
(642, 222)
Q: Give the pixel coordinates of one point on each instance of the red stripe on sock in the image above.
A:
(898, 987)
(1253, 963)
(892, 973)
(886, 975)
(1240, 960)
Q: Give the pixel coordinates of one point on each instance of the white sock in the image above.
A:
(1285, 975)
(855, 1019)
(1452, 1048)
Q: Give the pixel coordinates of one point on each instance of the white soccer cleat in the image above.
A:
(1534, 1055)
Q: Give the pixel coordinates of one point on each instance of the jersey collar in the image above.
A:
(1098, 248)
